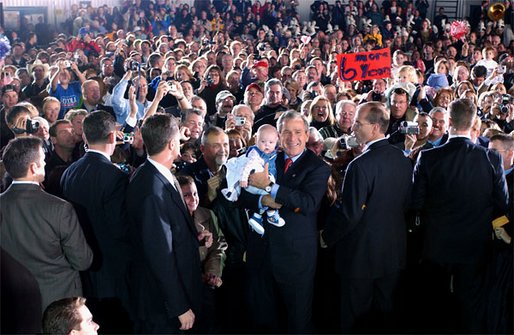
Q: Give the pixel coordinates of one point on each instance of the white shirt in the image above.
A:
(372, 142)
(164, 171)
(15, 182)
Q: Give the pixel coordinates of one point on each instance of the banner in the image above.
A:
(364, 65)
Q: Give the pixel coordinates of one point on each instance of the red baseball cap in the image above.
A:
(261, 63)
(256, 86)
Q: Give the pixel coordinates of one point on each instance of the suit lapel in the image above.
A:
(279, 163)
(175, 196)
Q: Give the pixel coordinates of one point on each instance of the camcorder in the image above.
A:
(409, 128)
(348, 142)
(506, 101)
(31, 127)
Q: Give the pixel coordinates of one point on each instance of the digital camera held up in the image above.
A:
(409, 128)
(506, 101)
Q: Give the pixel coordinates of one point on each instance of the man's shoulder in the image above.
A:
(95, 164)
(44, 199)
(314, 161)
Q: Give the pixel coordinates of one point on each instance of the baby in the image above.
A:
(240, 168)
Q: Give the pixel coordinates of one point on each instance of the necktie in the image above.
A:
(289, 161)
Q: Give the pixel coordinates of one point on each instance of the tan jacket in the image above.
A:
(213, 258)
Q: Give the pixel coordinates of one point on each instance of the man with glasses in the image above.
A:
(368, 226)
(398, 102)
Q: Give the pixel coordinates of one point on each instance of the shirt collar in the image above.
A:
(372, 142)
(293, 158)
(20, 182)
(509, 170)
(163, 170)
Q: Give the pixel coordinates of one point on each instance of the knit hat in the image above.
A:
(437, 81)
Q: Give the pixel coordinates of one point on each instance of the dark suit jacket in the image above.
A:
(166, 280)
(96, 188)
(459, 188)
(42, 232)
(21, 300)
(368, 227)
(293, 246)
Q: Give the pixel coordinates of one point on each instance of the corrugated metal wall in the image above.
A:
(58, 11)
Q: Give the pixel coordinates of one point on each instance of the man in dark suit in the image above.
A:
(96, 188)
(369, 230)
(459, 188)
(39, 230)
(166, 281)
(282, 263)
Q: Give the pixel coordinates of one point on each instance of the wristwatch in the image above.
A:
(268, 188)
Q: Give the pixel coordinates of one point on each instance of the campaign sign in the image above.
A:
(364, 65)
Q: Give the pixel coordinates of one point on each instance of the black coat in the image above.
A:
(368, 228)
(459, 188)
(166, 281)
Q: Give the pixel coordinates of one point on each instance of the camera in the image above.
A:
(506, 101)
(128, 138)
(410, 128)
(240, 121)
(348, 142)
(171, 85)
(501, 69)
(67, 64)
(209, 80)
(135, 66)
(261, 47)
(376, 96)
(32, 126)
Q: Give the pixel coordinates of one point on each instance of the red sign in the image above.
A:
(364, 65)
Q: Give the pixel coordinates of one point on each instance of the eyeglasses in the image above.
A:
(358, 124)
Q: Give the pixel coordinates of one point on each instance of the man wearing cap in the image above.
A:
(39, 71)
(257, 72)
(224, 103)
(9, 99)
(17, 55)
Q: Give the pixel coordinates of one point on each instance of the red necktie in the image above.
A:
(289, 161)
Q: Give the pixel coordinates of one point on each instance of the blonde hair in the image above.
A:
(410, 71)
(331, 119)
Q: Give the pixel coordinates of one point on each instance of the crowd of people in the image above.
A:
(204, 168)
